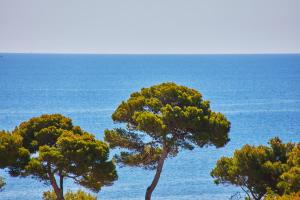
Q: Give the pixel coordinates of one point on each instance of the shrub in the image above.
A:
(79, 195)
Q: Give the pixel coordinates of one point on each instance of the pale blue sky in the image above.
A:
(152, 26)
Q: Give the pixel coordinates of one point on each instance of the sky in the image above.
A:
(150, 26)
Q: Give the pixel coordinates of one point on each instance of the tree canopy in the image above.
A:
(12, 154)
(290, 180)
(259, 168)
(159, 122)
(49, 148)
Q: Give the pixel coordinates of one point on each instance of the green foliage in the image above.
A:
(79, 195)
(2, 183)
(12, 154)
(164, 116)
(160, 121)
(255, 169)
(290, 180)
(51, 147)
(44, 130)
(273, 196)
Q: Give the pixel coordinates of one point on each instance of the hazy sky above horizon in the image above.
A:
(152, 26)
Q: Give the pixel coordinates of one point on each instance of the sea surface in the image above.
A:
(259, 94)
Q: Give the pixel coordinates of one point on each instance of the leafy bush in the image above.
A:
(79, 195)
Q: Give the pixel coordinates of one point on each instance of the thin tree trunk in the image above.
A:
(56, 189)
(160, 164)
(246, 192)
(61, 183)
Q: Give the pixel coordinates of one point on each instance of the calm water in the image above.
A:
(260, 94)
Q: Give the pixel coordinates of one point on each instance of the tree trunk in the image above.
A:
(160, 164)
(61, 183)
(57, 190)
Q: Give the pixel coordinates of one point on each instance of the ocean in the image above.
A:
(259, 94)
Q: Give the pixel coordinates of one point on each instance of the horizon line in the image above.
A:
(118, 53)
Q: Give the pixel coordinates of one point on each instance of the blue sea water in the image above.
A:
(260, 95)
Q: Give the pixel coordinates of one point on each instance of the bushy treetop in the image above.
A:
(165, 115)
(259, 168)
(50, 147)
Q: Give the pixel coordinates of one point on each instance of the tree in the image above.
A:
(53, 150)
(160, 121)
(255, 169)
(9, 151)
(290, 180)
(12, 154)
